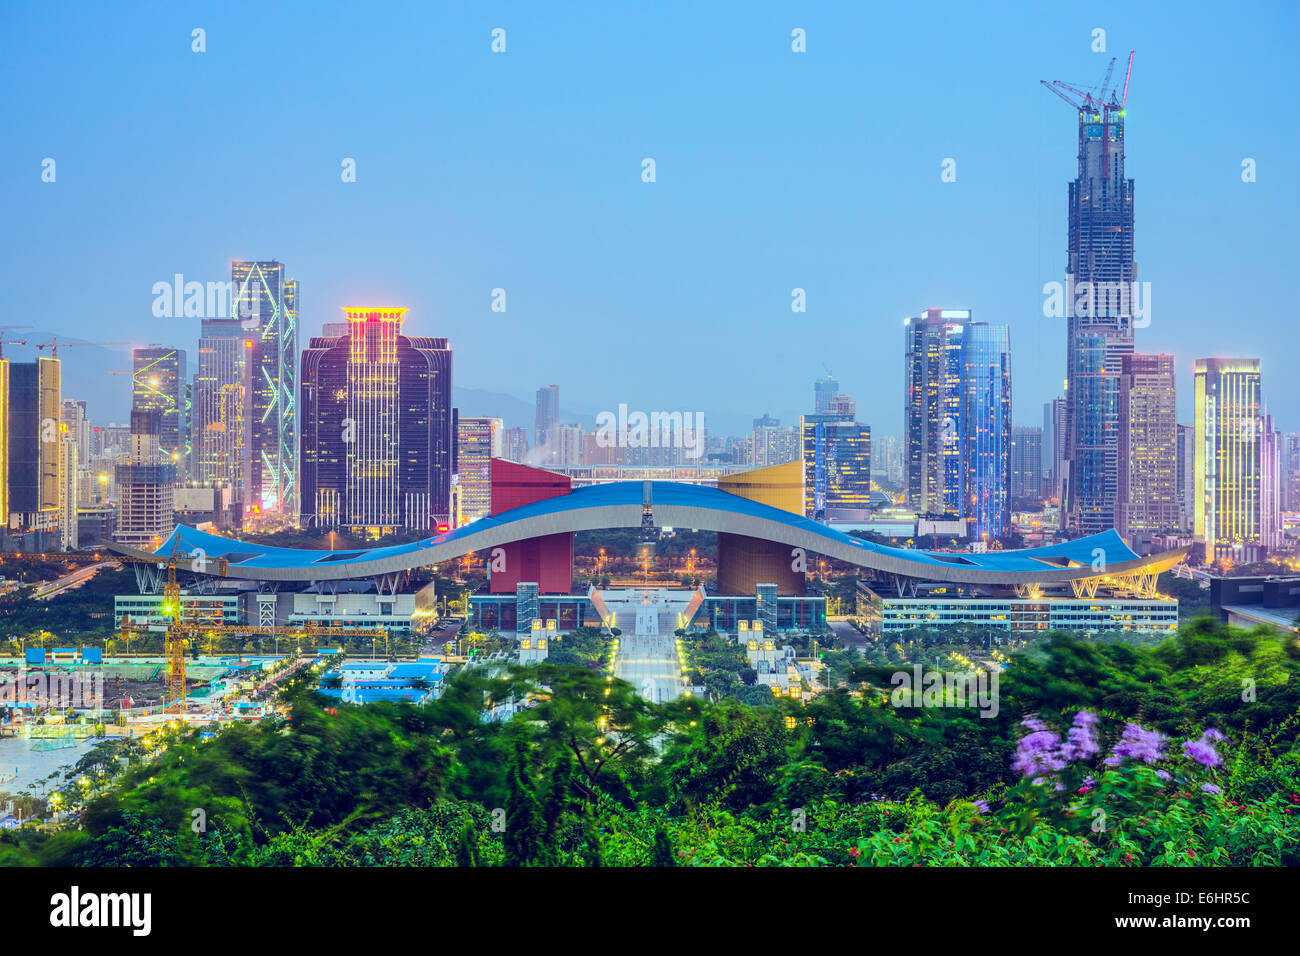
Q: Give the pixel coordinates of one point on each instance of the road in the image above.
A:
(647, 649)
(847, 633)
(649, 663)
(436, 640)
(71, 580)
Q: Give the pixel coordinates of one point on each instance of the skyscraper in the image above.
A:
(985, 429)
(567, 445)
(1186, 475)
(837, 465)
(68, 492)
(544, 423)
(515, 444)
(377, 439)
(1100, 277)
(843, 406)
(220, 436)
(957, 424)
(77, 420)
(1228, 447)
(266, 305)
(771, 444)
(824, 391)
(1027, 463)
(34, 412)
(478, 441)
(146, 485)
(1291, 480)
(1147, 500)
(1270, 484)
(932, 420)
(1055, 462)
(158, 382)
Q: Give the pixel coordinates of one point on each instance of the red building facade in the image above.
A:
(547, 560)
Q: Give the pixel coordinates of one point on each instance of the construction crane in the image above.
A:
(1096, 103)
(187, 624)
(53, 345)
(1095, 100)
(4, 341)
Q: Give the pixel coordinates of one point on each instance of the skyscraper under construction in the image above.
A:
(1100, 293)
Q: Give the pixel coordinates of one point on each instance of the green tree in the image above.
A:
(525, 828)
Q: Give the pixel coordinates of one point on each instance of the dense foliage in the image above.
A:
(1109, 754)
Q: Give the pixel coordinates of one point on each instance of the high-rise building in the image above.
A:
(957, 423)
(1186, 475)
(1027, 481)
(837, 465)
(568, 445)
(515, 444)
(1228, 447)
(266, 305)
(1055, 462)
(1147, 500)
(544, 422)
(159, 382)
(34, 412)
(771, 444)
(68, 492)
(888, 459)
(1101, 275)
(220, 437)
(985, 435)
(77, 420)
(844, 407)
(146, 485)
(377, 429)
(824, 391)
(1291, 481)
(932, 421)
(1270, 485)
(478, 441)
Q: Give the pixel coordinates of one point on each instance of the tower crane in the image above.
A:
(1101, 105)
(4, 341)
(53, 345)
(185, 625)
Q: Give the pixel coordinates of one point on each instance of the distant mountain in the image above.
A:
(513, 411)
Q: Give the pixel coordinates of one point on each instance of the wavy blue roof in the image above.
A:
(714, 507)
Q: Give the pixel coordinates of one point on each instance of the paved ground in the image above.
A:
(849, 634)
(648, 661)
(650, 665)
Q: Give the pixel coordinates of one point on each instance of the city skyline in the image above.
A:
(774, 214)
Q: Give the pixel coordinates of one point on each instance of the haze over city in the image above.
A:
(477, 171)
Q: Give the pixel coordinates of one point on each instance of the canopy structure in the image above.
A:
(632, 504)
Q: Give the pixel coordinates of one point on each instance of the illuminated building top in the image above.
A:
(375, 313)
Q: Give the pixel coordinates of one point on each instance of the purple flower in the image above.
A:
(1137, 743)
(1080, 743)
(1210, 788)
(982, 806)
(1202, 753)
(1212, 734)
(1038, 754)
(1033, 723)
(1164, 775)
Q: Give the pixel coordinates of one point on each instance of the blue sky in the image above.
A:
(522, 171)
